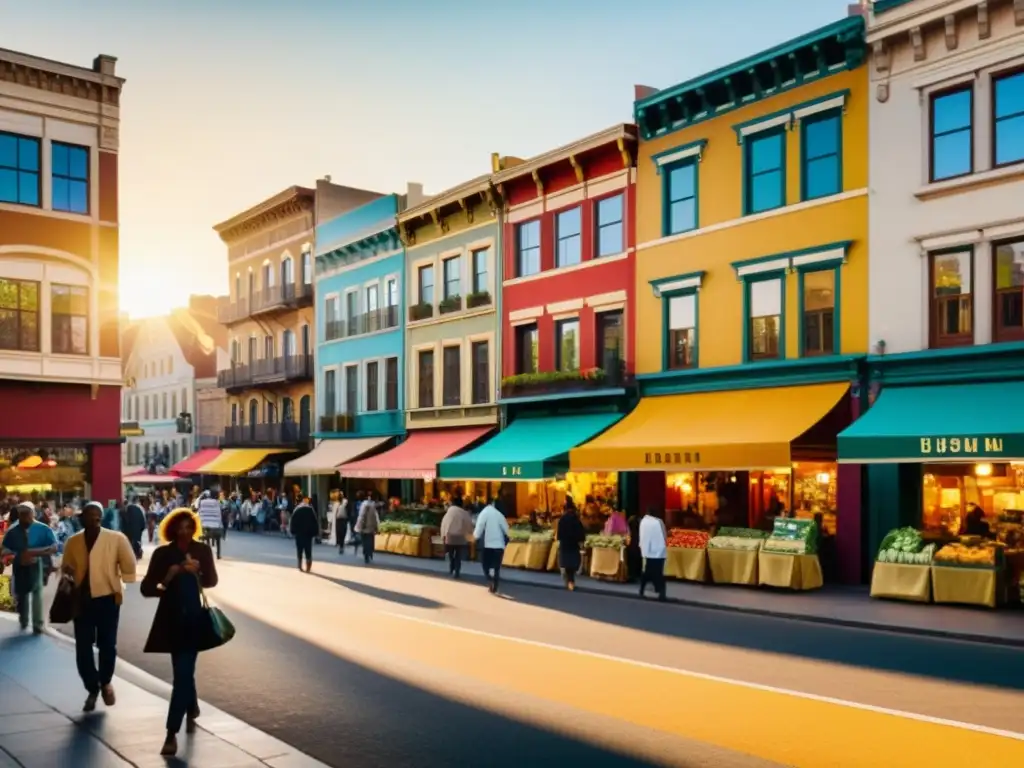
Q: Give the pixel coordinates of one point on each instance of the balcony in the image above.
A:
(382, 319)
(272, 370)
(270, 435)
(567, 383)
(277, 298)
(338, 422)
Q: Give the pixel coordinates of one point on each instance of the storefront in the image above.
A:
(317, 470)
(54, 474)
(246, 470)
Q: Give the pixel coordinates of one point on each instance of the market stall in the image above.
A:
(903, 567)
(687, 555)
(789, 558)
(968, 572)
(732, 555)
(607, 557)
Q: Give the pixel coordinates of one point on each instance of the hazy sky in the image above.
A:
(230, 101)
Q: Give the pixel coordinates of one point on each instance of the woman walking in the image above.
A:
(178, 572)
(570, 538)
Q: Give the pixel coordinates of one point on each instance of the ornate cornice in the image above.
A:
(267, 219)
(83, 87)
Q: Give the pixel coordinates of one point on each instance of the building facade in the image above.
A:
(60, 363)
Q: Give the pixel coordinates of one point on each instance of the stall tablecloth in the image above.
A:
(515, 555)
(687, 564)
(607, 563)
(536, 557)
(902, 582)
(733, 566)
(965, 586)
(801, 572)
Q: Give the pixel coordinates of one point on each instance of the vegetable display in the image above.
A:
(683, 538)
(902, 557)
(742, 543)
(741, 533)
(971, 554)
(391, 526)
(907, 540)
(793, 536)
(597, 541)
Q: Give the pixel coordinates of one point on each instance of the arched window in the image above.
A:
(271, 412)
(287, 410)
(287, 272)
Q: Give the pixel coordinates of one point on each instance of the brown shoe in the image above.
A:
(108, 695)
(170, 747)
(90, 702)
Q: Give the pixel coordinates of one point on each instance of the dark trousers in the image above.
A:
(455, 554)
(341, 532)
(654, 573)
(97, 624)
(304, 546)
(213, 538)
(491, 560)
(367, 540)
(183, 692)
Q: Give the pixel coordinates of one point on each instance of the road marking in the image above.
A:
(718, 679)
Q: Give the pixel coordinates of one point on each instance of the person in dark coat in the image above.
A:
(634, 560)
(570, 538)
(305, 527)
(134, 525)
(178, 573)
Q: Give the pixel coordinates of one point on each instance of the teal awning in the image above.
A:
(528, 449)
(952, 422)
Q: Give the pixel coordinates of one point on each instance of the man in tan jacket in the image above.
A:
(456, 528)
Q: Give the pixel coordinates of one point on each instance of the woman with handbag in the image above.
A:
(178, 573)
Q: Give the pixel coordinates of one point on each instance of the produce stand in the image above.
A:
(686, 563)
(553, 556)
(965, 585)
(732, 555)
(788, 559)
(538, 553)
(515, 555)
(380, 542)
(903, 567)
(607, 557)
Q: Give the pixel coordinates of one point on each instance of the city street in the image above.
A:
(376, 667)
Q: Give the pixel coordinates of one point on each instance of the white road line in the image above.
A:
(716, 679)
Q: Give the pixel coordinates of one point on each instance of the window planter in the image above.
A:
(478, 299)
(451, 304)
(421, 311)
(554, 382)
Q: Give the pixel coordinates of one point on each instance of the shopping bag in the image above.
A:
(218, 629)
(62, 610)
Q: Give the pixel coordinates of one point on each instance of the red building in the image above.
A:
(60, 362)
(567, 295)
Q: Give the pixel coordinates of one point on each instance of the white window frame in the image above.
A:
(338, 395)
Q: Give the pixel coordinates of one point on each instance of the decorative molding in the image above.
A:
(439, 220)
(951, 38)
(666, 285)
(577, 168)
(984, 27)
(60, 84)
(535, 174)
(627, 159)
(268, 219)
(683, 152)
(882, 56)
(917, 42)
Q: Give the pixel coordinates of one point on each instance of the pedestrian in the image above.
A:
(152, 510)
(367, 525)
(654, 550)
(179, 571)
(30, 543)
(211, 521)
(340, 515)
(111, 517)
(263, 511)
(570, 536)
(225, 514)
(101, 562)
(491, 536)
(246, 513)
(456, 528)
(634, 560)
(304, 525)
(133, 526)
(360, 498)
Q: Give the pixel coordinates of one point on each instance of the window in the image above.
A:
(609, 342)
(568, 227)
(682, 332)
(680, 197)
(425, 277)
(528, 248)
(19, 169)
(391, 384)
(234, 414)
(372, 298)
(288, 343)
(567, 344)
(1008, 119)
(425, 377)
(163, 406)
(952, 135)
(69, 308)
(609, 226)
(351, 388)
(1009, 298)
(451, 269)
(351, 310)
(451, 381)
(391, 290)
(330, 318)
(307, 268)
(330, 392)
(70, 178)
(481, 372)
(253, 347)
(952, 308)
(268, 277)
(373, 386)
(818, 330)
(821, 149)
(269, 412)
(765, 156)
(184, 400)
(480, 259)
(174, 405)
(287, 272)
(526, 348)
(764, 299)
(19, 315)
(145, 404)
(268, 347)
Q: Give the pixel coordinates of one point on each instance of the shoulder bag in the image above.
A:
(218, 629)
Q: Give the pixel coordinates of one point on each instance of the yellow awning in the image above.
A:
(237, 461)
(737, 429)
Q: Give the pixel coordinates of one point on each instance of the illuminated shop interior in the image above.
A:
(951, 491)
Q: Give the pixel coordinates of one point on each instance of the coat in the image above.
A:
(165, 634)
(305, 524)
(570, 538)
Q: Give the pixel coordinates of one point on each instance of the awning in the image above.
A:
(528, 449)
(132, 432)
(145, 479)
(237, 461)
(735, 429)
(325, 457)
(192, 463)
(944, 423)
(129, 470)
(416, 458)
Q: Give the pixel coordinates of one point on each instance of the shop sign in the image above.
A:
(512, 471)
(961, 446)
(671, 458)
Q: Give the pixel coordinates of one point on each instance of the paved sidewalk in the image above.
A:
(42, 725)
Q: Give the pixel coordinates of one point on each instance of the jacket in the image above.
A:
(110, 565)
(304, 523)
(456, 526)
(652, 538)
(368, 521)
(491, 528)
(165, 635)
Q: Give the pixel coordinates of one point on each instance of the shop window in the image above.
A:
(814, 493)
(526, 348)
(680, 208)
(425, 377)
(1009, 299)
(19, 170)
(452, 269)
(819, 332)
(1008, 119)
(765, 318)
(480, 280)
(19, 315)
(451, 376)
(952, 306)
(822, 160)
(425, 284)
(373, 386)
(681, 339)
(952, 133)
(951, 492)
(70, 178)
(567, 344)
(765, 171)
(391, 384)
(610, 350)
(528, 248)
(481, 377)
(568, 233)
(351, 389)
(609, 225)
(69, 319)
(330, 392)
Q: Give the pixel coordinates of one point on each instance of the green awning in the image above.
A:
(528, 449)
(952, 422)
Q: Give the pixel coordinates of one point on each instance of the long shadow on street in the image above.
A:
(399, 598)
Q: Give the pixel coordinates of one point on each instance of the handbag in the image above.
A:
(62, 610)
(219, 630)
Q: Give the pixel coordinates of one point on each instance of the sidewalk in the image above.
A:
(42, 725)
(838, 605)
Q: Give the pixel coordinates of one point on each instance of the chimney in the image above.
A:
(857, 9)
(414, 194)
(104, 64)
(643, 91)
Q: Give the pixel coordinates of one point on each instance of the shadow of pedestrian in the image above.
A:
(400, 598)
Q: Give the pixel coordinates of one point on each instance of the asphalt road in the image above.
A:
(366, 666)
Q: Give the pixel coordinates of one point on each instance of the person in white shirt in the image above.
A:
(211, 521)
(654, 550)
(339, 525)
(491, 535)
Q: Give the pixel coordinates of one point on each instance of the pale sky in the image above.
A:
(230, 101)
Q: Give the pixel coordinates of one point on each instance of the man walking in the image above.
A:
(456, 528)
(654, 550)
(134, 525)
(367, 525)
(304, 526)
(211, 521)
(31, 544)
(492, 534)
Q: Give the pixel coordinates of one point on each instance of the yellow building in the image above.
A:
(752, 286)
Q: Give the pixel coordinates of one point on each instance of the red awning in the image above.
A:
(417, 457)
(191, 465)
(144, 479)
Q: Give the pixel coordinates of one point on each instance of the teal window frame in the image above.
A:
(748, 281)
(666, 335)
(802, 272)
(666, 192)
(748, 145)
(829, 114)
